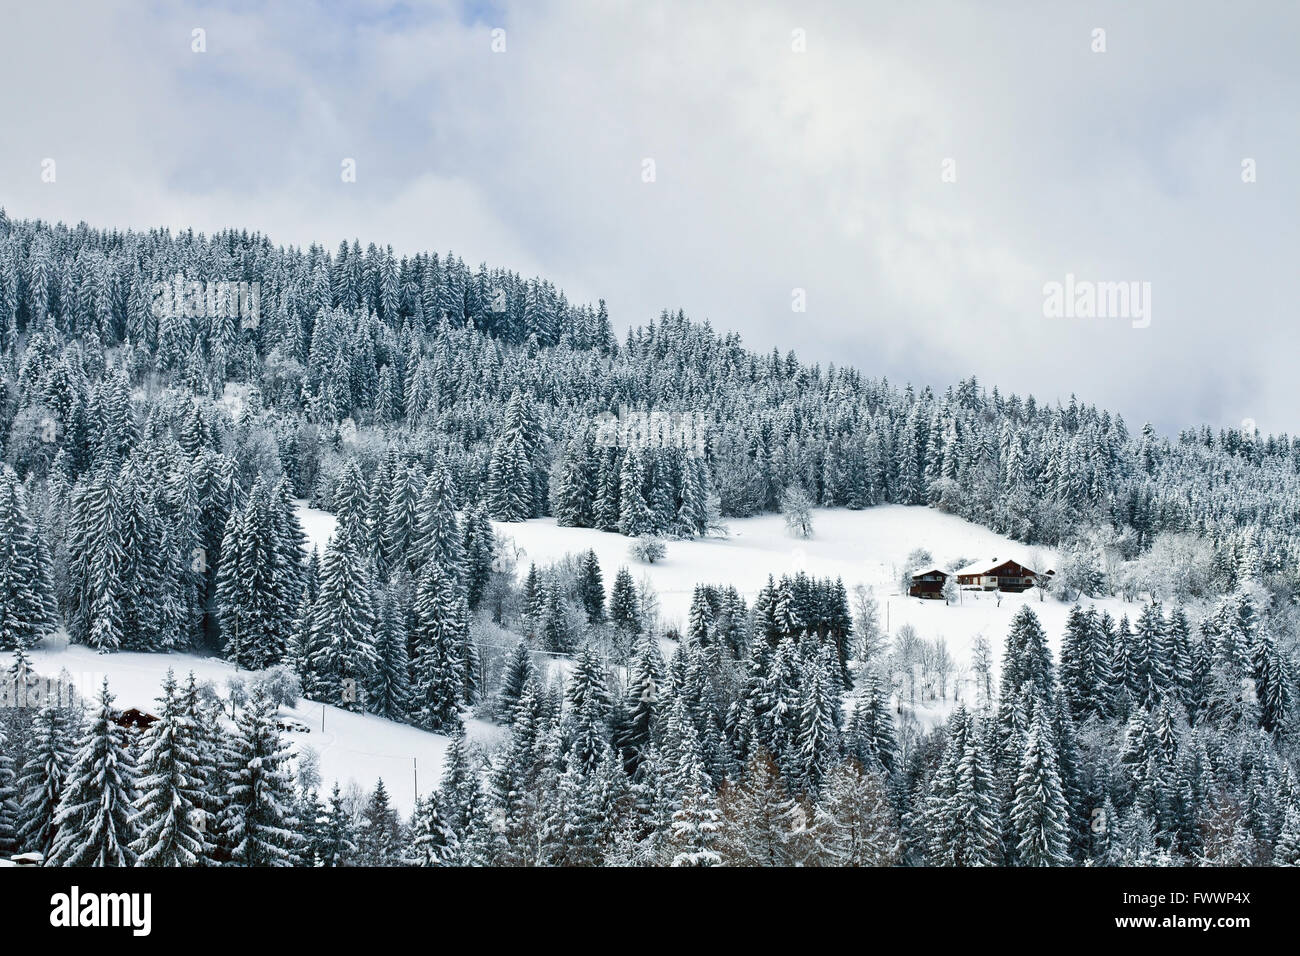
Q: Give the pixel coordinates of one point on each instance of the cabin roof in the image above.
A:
(921, 574)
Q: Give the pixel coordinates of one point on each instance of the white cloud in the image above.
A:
(776, 169)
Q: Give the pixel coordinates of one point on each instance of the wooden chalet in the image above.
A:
(995, 575)
(928, 584)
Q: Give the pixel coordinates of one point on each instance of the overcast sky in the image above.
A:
(775, 168)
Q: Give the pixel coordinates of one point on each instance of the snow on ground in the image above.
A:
(862, 547)
(317, 525)
(867, 547)
(351, 747)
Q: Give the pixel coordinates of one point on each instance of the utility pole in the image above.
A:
(415, 773)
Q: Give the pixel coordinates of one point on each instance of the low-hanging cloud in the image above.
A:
(919, 172)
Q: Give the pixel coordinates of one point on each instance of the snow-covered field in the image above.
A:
(861, 547)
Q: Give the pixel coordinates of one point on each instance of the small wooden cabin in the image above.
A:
(134, 717)
(928, 584)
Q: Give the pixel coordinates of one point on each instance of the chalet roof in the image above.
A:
(984, 567)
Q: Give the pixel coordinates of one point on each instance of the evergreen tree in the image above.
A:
(591, 588)
(8, 798)
(432, 842)
(1039, 813)
(26, 589)
(518, 672)
(336, 838)
(256, 821)
(437, 535)
(96, 822)
(171, 820)
(380, 837)
(858, 819)
(511, 479)
(388, 693)
(342, 656)
(624, 606)
(755, 817)
(441, 638)
(42, 778)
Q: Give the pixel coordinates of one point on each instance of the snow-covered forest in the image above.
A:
(173, 404)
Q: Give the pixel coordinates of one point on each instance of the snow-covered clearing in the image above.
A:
(861, 547)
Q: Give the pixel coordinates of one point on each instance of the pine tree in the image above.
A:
(573, 487)
(350, 505)
(96, 565)
(555, 632)
(96, 822)
(342, 656)
(441, 639)
(255, 584)
(591, 588)
(205, 720)
(8, 798)
(461, 793)
(256, 822)
(700, 623)
(1039, 813)
(870, 734)
(336, 844)
(480, 554)
(635, 516)
(818, 737)
(26, 590)
(380, 836)
(437, 534)
(432, 842)
(588, 707)
(696, 822)
(1287, 850)
(42, 779)
(644, 702)
(389, 690)
(624, 607)
(976, 808)
(859, 821)
(171, 820)
(755, 816)
(397, 533)
(518, 671)
(1273, 682)
(1026, 660)
(511, 481)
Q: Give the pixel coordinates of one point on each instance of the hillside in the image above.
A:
(410, 488)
